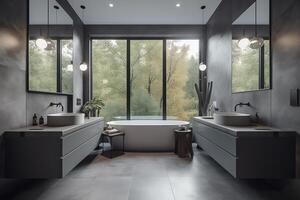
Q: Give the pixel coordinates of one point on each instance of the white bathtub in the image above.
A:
(147, 135)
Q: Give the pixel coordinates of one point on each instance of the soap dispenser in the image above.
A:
(41, 121)
(34, 120)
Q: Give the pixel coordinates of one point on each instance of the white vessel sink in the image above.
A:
(232, 119)
(65, 119)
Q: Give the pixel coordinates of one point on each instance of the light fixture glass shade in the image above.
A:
(244, 43)
(256, 42)
(41, 43)
(50, 45)
(202, 67)
(83, 66)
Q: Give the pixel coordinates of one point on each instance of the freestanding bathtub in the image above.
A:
(147, 135)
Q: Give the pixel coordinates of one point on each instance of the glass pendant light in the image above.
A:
(244, 42)
(202, 66)
(50, 43)
(41, 43)
(83, 66)
(256, 42)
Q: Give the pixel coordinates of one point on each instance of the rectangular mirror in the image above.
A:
(50, 48)
(251, 48)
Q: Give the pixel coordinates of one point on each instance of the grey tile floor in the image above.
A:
(154, 176)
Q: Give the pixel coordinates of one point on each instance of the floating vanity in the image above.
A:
(49, 152)
(248, 152)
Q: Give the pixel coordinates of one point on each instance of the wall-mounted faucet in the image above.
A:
(241, 104)
(57, 105)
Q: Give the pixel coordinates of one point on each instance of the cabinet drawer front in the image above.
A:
(226, 160)
(72, 159)
(219, 138)
(72, 141)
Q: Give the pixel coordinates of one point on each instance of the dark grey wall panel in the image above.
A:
(78, 47)
(286, 62)
(219, 55)
(272, 105)
(39, 104)
(12, 68)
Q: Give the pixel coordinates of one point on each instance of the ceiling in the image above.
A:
(140, 12)
(144, 11)
(38, 13)
(263, 14)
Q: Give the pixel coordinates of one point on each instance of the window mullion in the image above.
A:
(59, 67)
(164, 79)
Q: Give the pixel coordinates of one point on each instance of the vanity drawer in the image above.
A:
(75, 139)
(225, 159)
(69, 161)
(219, 138)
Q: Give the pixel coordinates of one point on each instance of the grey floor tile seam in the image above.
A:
(171, 185)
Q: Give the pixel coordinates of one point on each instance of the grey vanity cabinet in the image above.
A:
(51, 152)
(247, 153)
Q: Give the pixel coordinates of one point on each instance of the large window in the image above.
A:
(182, 74)
(109, 76)
(48, 69)
(146, 79)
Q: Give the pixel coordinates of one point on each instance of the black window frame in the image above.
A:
(58, 68)
(164, 67)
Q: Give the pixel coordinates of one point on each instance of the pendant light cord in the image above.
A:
(255, 18)
(48, 19)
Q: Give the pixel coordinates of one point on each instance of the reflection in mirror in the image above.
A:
(50, 48)
(251, 60)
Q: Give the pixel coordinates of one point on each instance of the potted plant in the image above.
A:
(93, 107)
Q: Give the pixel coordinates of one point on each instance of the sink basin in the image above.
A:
(232, 119)
(65, 119)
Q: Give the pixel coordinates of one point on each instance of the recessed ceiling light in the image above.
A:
(178, 5)
(111, 5)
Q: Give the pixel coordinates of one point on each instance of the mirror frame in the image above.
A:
(271, 52)
(58, 74)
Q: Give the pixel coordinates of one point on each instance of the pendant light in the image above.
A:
(83, 65)
(50, 43)
(244, 42)
(256, 42)
(41, 43)
(202, 66)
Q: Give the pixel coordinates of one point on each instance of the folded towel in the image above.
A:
(112, 131)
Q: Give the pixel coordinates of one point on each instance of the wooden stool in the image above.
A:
(183, 143)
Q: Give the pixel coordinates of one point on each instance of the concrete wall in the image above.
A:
(16, 105)
(271, 105)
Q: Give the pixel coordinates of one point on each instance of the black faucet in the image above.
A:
(241, 104)
(57, 105)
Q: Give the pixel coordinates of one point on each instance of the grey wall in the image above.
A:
(16, 105)
(272, 105)
(12, 68)
(78, 48)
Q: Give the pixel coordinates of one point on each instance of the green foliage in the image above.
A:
(109, 78)
(245, 68)
(43, 68)
(93, 107)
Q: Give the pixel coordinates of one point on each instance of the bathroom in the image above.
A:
(125, 53)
